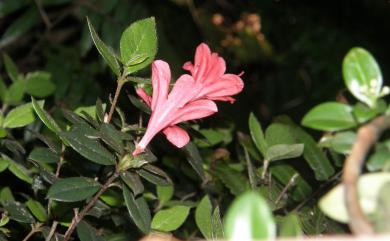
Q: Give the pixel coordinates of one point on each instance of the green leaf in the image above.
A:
(232, 179)
(73, 189)
(112, 198)
(104, 51)
(380, 159)
(139, 39)
(15, 92)
(139, 104)
(20, 26)
(369, 185)
(342, 142)
(330, 116)
(20, 116)
(164, 193)
(10, 67)
(362, 76)
(154, 175)
(44, 155)
(170, 219)
(39, 84)
(194, 158)
(112, 137)
(257, 134)
(382, 213)
(138, 210)
(133, 181)
(18, 212)
(20, 171)
(284, 173)
(285, 131)
(6, 195)
(3, 89)
(203, 216)
(78, 138)
(45, 117)
(363, 113)
(3, 164)
(37, 210)
(217, 226)
(290, 226)
(86, 232)
(284, 151)
(249, 218)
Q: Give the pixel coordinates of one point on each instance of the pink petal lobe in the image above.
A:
(161, 77)
(144, 96)
(227, 85)
(201, 63)
(183, 91)
(195, 110)
(188, 66)
(177, 136)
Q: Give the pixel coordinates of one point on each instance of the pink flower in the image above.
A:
(190, 98)
(209, 70)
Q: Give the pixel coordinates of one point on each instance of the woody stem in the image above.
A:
(119, 86)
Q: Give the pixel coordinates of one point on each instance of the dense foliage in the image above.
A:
(71, 120)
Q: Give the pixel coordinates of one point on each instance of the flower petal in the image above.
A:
(144, 96)
(202, 56)
(195, 110)
(183, 91)
(227, 85)
(188, 66)
(161, 77)
(177, 136)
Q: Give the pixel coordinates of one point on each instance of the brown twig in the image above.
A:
(52, 231)
(35, 228)
(79, 216)
(119, 86)
(43, 14)
(367, 135)
(290, 183)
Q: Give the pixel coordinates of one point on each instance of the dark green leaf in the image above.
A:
(283, 173)
(233, 179)
(73, 189)
(154, 175)
(133, 181)
(139, 104)
(79, 139)
(362, 76)
(112, 137)
(139, 39)
(257, 134)
(104, 51)
(86, 232)
(170, 219)
(19, 26)
(284, 151)
(44, 155)
(138, 210)
(194, 158)
(249, 218)
(330, 116)
(18, 212)
(19, 171)
(284, 131)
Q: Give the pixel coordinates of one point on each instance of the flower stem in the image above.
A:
(35, 228)
(119, 86)
(78, 217)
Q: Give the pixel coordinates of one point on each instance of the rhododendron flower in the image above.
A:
(190, 98)
(209, 70)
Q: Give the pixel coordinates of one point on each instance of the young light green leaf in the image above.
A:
(139, 39)
(73, 189)
(290, 226)
(380, 159)
(44, 116)
(257, 134)
(10, 67)
(330, 116)
(217, 225)
(203, 216)
(19, 116)
(37, 210)
(164, 193)
(15, 92)
(104, 51)
(284, 151)
(170, 219)
(20, 171)
(369, 185)
(362, 76)
(39, 84)
(138, 210)
(249, 218)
